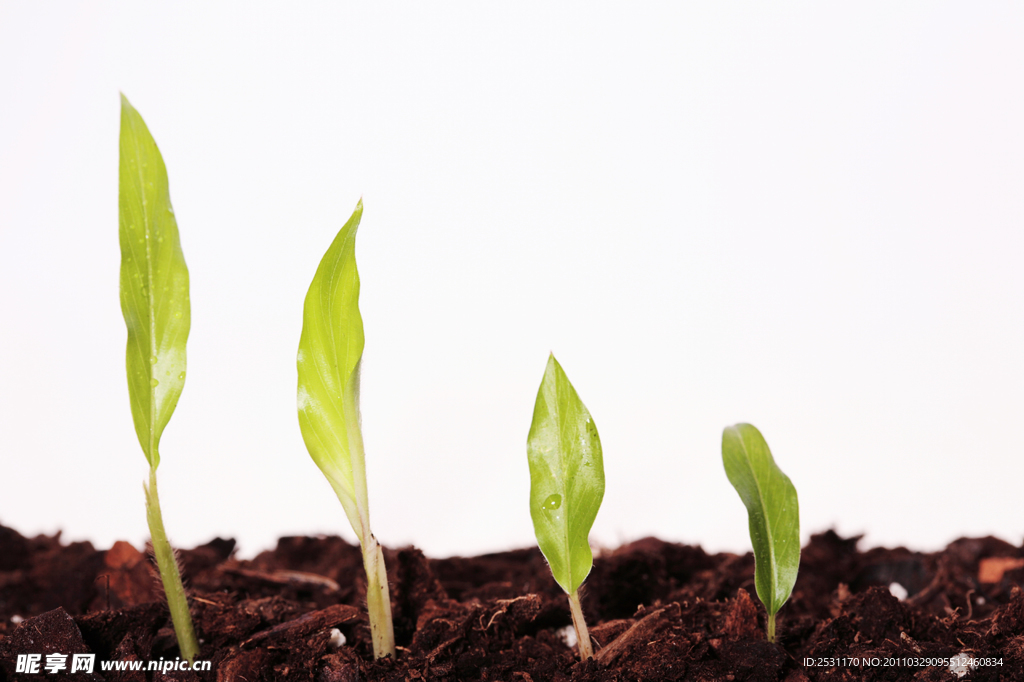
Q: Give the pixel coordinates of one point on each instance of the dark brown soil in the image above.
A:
(658, 611)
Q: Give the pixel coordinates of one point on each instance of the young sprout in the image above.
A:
(330, 350)
(154, 301)
(774, 514)
(566, 487)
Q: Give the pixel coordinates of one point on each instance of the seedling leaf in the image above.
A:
(566, 485)
(154, 284)
(566, 477)
(773, 511)
(330, 351)
(154, 301)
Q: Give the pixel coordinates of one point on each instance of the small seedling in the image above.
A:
(774, 514)
(566, 487)
(330, 351)
(154, 301)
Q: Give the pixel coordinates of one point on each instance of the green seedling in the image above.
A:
(774, 512)
(330, 351)
(154, 301)
(566, 487)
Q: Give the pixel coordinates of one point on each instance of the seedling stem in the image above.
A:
(582, 634)
(167, 564)
(378, 599)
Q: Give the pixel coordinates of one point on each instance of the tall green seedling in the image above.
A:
(330, 351)
(773, 511)
(566, 487)
(154, 300)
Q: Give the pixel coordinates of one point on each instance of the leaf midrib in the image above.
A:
(562, 457)
(338, 401)
(764, 515)
(150, 303)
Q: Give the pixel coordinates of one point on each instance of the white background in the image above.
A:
(808, 218)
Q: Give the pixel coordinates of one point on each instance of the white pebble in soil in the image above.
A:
(898, 591)
(337, 639)
(568, 635)
(961, 664)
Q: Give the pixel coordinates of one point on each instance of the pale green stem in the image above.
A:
(169, 574)
(582, 634)
(771, 627)
(378, 599)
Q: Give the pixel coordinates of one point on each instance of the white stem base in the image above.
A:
(378, 600)
(582, 634)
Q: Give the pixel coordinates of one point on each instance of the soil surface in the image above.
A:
(657, 611)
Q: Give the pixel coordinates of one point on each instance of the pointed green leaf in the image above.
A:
(566, 477)
(154, 284)
(330, 350)
(773, 510)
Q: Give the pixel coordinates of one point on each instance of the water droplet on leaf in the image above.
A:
(553, 502)
(152, 359)
(154, 383)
